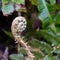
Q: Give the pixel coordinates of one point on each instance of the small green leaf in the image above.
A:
(50, 57)
(52, 2)
(8, 9)
(16, 56)
(43, 15)
(53, 28)
(35, 43)
(37, 55)
(57, 51)
(22, 50)
(46, 47)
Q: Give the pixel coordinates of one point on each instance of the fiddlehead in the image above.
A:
(19, 25)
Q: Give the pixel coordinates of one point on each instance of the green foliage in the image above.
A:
(9, 6)
(8, 33)
(49, 14)
(16, 57)
(34, 2)
(52, 2)
(6, 1)
(38, 55)
(50, 57)
(19, 1)
(50, 37)
(57, 18)
(7, 9)
(57, 51)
